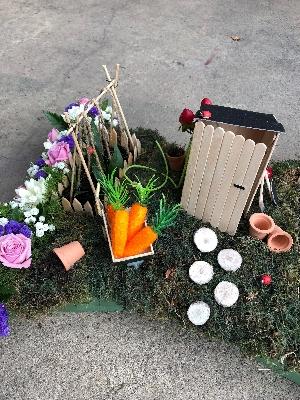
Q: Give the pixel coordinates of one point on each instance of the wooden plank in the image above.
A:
(130, 159)
(218, 175)
(121, 173)
(134, 139)
(139, 147)
(65, 181)
(60, 188)
(234, 156)
(88, 209)
(124, 140)
(256, 159)
(135, 154)
(200, 168)
(238, 178)
(191, 167)
(211, 163)
(66, 205)
(264, 163)
(77, 206)
(113, 138)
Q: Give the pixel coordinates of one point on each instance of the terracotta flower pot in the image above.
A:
(261, 225)
(69, 254)
(280, 241)
(176, 163)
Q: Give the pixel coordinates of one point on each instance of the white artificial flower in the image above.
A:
(26, 220)
(59, 165)
(206, 240)
(226, 294)
(96, 120)
(46, 227)
(14, 204)
(48, 144)
(42, 218)
(32, 219)
(201, 272)
(198, 313)
(229, 259)
(105, 115)
(3, 221)
(108, 110)
(61, 134)
(39, 226)
(33, 192)
(66, 170)
(35, 211)
(44, 155)
(51, 228)
(27, 213)
(39, 232)
(75, 111)
(32, 170)
(115, 122)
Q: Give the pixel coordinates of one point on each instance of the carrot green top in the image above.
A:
(165, 216)
(144, 193)
(115, 191)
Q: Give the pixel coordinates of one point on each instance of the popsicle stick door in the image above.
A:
(222, 170)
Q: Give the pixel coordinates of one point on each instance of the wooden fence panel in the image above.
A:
(191, 167)
(200, 168)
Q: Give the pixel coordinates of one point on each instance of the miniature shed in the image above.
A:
(229, 153)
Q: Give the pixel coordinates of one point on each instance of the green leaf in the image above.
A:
(116, 160)
(104, 105)
(97, 139)
(56, 121)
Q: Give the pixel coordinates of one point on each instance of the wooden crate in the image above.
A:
(225, 166)
(150, 251)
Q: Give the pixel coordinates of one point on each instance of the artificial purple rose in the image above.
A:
(84, 101)
(15, 251)
(59, 152)
(53, 135)
(4, 326)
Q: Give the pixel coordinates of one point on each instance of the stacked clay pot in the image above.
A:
(262, 225)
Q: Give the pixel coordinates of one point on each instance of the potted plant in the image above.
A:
(175, 155)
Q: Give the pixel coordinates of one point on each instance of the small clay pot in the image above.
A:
(261, 225)
(69, 254)
(176, 163)
(280, 241)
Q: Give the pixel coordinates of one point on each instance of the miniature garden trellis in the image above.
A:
(87, 135)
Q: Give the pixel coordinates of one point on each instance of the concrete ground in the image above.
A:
(173, 53)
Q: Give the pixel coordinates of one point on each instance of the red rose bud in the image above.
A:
(91, 150)
(206, 114)
(266, 279)
(206, 101)
(186, 117)
(269, 172)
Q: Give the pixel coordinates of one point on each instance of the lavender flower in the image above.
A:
(68, 139)
(93, 112)
(70, 106)
(40, 174)
(40, 162)
(4, 327)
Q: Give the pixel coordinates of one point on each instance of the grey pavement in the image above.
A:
(51, 53)
(120, 357)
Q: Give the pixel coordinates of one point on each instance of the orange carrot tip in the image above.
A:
(164, 218)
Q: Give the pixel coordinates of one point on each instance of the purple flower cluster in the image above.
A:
(68, 139)
(69, 106)
(40, 162)
(93, 112)
(15, 227)
(40, 174)
(4, 327)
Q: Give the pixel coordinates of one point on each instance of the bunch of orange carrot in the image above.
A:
(128, 231)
